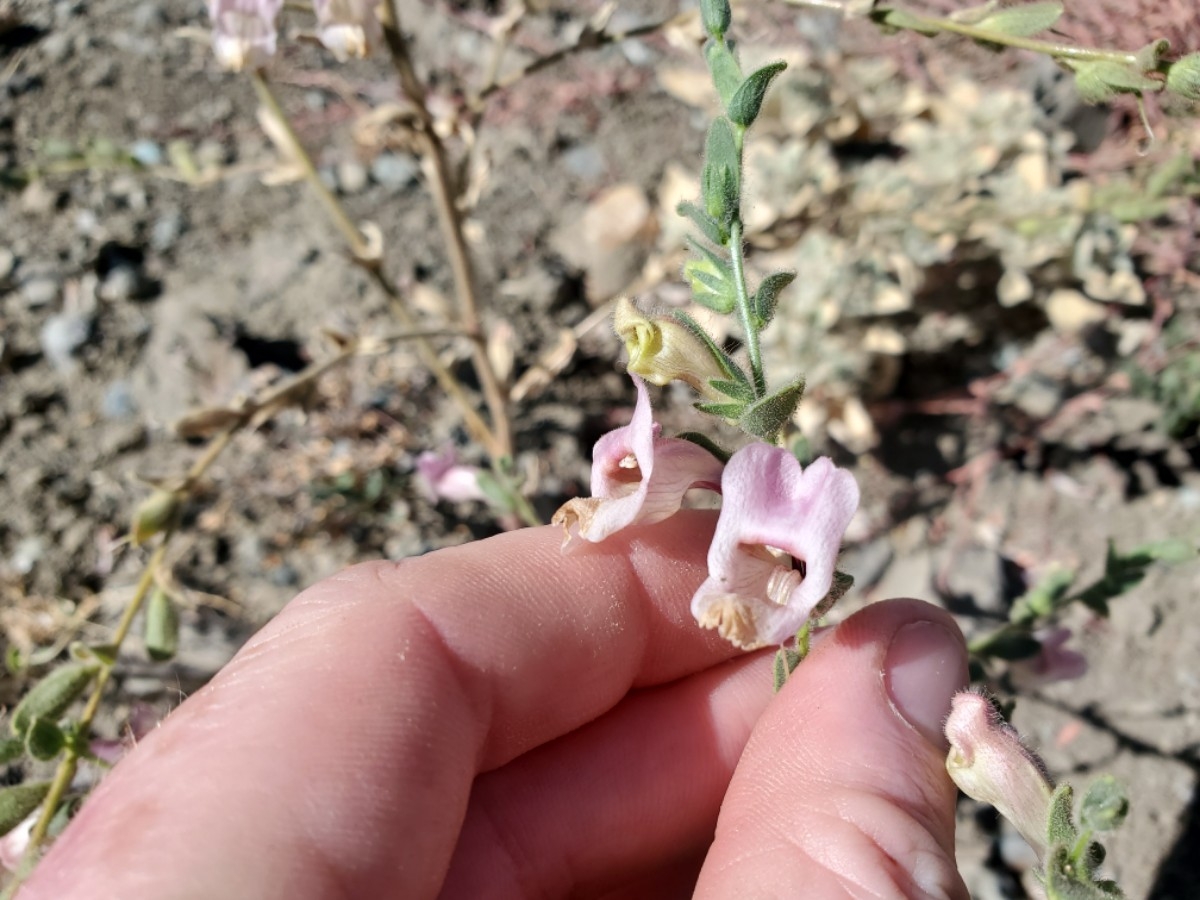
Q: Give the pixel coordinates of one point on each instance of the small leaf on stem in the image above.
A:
(1022, 21)
(726, 73)
(746, 103)
(766, 418)
(50, 697)
(18, 801)
(713, 230)
(1104, 806)
(766, 298)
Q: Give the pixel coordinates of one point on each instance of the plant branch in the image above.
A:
(737, 256)
(450, 221)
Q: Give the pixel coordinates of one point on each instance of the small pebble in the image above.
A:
(118, 402)
(26, 555)
(147, 152)
(122, 283)
(8, 262)
(39, 292)
(62, 335)
(585, 162)
(57, 47)
(166, 230)
(394, 171)
(351, 177)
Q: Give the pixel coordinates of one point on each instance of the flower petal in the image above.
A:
(637, 477)
(244, 32)
(774, 513)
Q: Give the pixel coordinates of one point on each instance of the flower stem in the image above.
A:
(737, 255)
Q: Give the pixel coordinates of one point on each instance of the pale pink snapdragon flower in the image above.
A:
(773, 556)
(442, 477)
(1053, 662)
(989, 763)
(244, 32)
(638, 477)
(348, 27)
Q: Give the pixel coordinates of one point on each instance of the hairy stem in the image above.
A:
(737, 255)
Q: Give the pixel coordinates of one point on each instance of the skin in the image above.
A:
(506, 720)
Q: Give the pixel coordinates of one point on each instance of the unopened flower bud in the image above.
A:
(157, 513)
(662, 350)
(348, 27)
(989, 763)
(244, 32)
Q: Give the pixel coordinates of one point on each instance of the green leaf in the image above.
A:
(1183, 77)
(766, 417)
(1151, 55)
(786, 661)
(723, 65)
(10, 749)
(1009, 642)
(1043, 598)
(50, 697)
(709, 289)
(497, 493)
(716, 16)
(44, 740)
(1100, 80)
(738, 390)
(1105, 805)
(161, 628)
(1124, 571)
(18, 801)
(713, 230)
(766, 298)
(1060, 819)
(891, 19)
(703, 440)
(1025, 20)
(746, 102)
(714, 262)
(721, 178)
(724, 410)
(731, 369)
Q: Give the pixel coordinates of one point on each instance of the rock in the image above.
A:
(1070, 312)
(26, 554)
(118, 401)
(149, 17)
(977, 573)
(62, 335)
(56, 48)
(394, 171)
(586, 162)
(166, 230)
(351, 177)
(125, 283)
(8, 262)
(147, 152)
(39, 291)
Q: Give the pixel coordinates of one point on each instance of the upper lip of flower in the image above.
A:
(774, 515)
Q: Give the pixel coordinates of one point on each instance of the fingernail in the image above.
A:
(926, 664)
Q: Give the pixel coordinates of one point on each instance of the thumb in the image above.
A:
(842, 790)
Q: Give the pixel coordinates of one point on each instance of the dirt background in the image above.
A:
(1007, 366)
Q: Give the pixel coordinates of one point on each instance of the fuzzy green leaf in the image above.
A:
(497, 494)
(737, 390)
(716, 16)
(766, 298)
(1060, 820)
(1009, 643)
(1025, 20)
(892, 20)
(713, 230)
(50, 697)
(731, 369)
(1100, 80)
(723, 65)
(1124, 571)
(1043, 598)
(10, 749)
(1105, 805)
(44, 740)
(1151, 55)
(1183, 78)
(746, 102)
(766, 417)
(18, 801)
(723, 410)
(721, 179)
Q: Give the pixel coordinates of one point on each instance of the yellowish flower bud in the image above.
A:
(157, 513)
(662, 350)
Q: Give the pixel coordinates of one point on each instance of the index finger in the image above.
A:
(334, 756)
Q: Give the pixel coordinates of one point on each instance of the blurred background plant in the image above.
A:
(995, 312)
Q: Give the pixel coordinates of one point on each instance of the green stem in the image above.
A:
(1049, 48)
(737, 255)
(1081, 845)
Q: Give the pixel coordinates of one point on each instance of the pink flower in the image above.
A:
(244, 32)
(443, 477)
(348, 27)
(774, 515)
(989, 763)
(1054, 662)
(637, 477)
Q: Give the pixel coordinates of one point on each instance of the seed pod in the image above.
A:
(161, 632)
(50, 697)
(18, 801)
(157, 513)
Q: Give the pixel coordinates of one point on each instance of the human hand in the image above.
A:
(503, 720)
